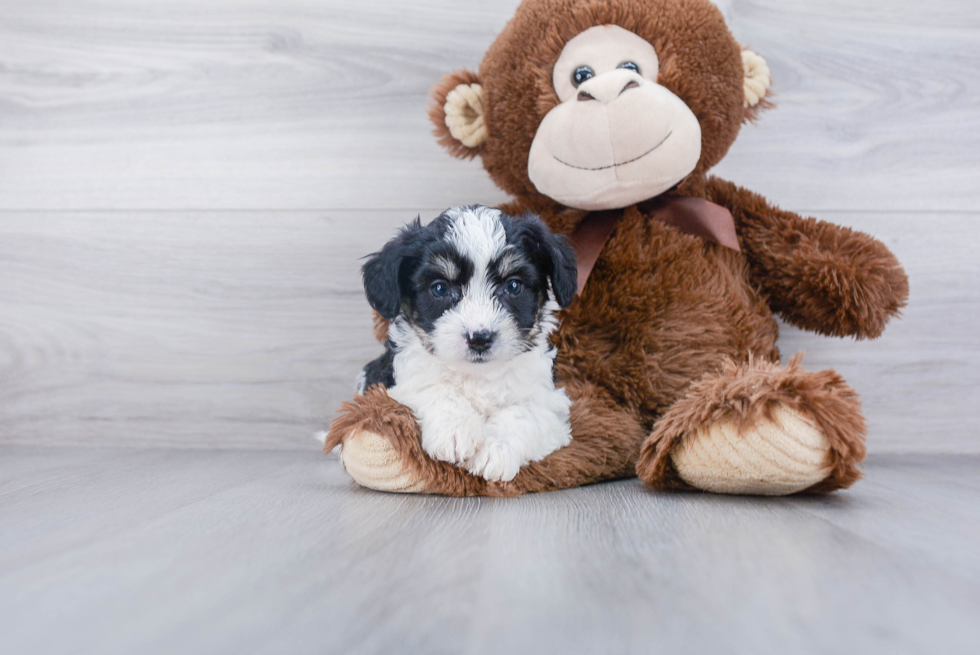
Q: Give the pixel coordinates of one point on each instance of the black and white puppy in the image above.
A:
(472, 298)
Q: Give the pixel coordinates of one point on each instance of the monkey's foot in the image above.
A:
(781, 454)
(374, 463)
(759, 429)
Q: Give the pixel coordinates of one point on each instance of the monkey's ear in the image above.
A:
(457, 114)
(755, 84)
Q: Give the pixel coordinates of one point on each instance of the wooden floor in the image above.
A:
(186, 189)
(228, 551)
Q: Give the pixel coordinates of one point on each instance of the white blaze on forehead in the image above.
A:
(478, 235)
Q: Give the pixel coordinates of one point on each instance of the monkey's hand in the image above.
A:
(817, 275)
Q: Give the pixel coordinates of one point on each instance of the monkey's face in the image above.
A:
(601, 105)
(617, 137)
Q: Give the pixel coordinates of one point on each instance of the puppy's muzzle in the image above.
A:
(480, 342)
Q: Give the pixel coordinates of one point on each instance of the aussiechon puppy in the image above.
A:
(472, 298)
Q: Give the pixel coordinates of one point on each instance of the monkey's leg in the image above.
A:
(382, 450)
(761, 429)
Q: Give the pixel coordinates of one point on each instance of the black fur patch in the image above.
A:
(381, 370)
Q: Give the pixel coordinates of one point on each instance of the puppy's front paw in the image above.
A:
(495, 461)
(452, 441)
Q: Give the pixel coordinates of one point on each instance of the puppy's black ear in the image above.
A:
(564, 272)
(382, 273)
(560, 257)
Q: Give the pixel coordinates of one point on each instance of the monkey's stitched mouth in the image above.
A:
(622, 163)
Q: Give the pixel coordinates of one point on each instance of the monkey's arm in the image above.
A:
(817, 275)
(383, 449)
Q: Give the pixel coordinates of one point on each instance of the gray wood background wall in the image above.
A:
(186, 188)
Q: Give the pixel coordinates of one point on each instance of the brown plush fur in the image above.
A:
(671, 331)
(591, 457)
(816, 275)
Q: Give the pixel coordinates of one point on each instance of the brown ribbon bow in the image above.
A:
(694, 216)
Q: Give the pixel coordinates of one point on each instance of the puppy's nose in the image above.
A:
(480, 341)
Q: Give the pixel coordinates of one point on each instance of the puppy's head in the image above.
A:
(475, 285)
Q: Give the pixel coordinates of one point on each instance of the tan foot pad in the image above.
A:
(373, 463)
(773, 458)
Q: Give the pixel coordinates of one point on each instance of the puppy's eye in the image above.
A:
(581, 74)
(513, 287)
(439, 289)
(630, 66)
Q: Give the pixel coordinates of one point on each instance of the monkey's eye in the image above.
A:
(581, 74)
(439, 289)
(513, 287)
(630, 66)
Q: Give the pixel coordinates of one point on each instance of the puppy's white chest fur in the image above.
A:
(491, 418)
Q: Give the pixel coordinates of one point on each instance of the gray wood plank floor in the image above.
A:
(185, 191)
(190, 551)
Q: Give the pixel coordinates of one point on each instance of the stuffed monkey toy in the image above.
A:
(604, 117)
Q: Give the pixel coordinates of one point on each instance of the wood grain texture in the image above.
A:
(248, 329)
(307, 104)
(162, 551)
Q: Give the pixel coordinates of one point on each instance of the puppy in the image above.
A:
(472, 299)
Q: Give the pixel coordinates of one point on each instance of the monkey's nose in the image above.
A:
(481, 341)
(607, 87)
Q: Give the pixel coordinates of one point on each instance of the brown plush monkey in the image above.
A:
(605, 116)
